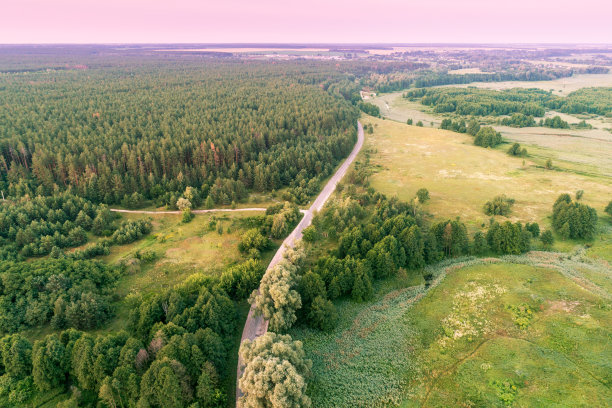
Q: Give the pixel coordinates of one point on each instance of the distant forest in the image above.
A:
(534, 102)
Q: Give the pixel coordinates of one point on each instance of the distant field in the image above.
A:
(561, 86)
(519, 332)
(461, 177)
(465, 71)
(579, 150)
(243, 50)
(395, 107)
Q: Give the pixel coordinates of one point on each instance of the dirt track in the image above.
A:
(255, 326)
(193, 211)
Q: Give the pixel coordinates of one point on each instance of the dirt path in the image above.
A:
(193, 211)
(255, 326)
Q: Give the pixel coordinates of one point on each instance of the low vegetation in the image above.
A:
(489, 332)
(500, 205)
(487, 137)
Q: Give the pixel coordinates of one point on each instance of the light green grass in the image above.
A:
(183, 249)
(448, 347)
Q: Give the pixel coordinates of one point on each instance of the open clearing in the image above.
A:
(461, 177)
(517, 331)
(181, 249)
(582, 151)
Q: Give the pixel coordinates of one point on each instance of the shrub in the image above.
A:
(547, 238)
(253, 239)
(132, 230)
(240, 280)
(608, 209)
(500, 205)
(516, 150)
(549, 164)
(555, 123)
(534, 228)
(487, 137)
(422, 195)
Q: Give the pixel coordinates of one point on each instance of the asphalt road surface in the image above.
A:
(256, 326)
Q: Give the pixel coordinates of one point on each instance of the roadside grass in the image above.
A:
(461, 177)
(514, 331)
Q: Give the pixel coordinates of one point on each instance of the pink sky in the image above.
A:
(306, 21)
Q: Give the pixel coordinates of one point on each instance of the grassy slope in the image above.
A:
(461, 177)
(581, 151)
(562, 357)
(447, 347)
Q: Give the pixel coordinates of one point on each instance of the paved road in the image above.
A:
(255, 326)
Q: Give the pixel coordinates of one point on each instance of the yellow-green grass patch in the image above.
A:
(461, 177)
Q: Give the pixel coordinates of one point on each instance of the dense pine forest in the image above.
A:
(106, 134)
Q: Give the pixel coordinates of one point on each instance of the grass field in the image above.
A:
(518, 331)
(461, 177)
(561, 86)
(584, 151)
(182, 249)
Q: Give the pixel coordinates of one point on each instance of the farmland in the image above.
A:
(579, 150)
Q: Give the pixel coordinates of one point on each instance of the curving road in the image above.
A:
(255, 326)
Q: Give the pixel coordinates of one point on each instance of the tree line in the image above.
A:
(528, 102)
(173, 354)
(49, 225)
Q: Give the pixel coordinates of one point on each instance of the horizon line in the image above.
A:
(409, 44)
